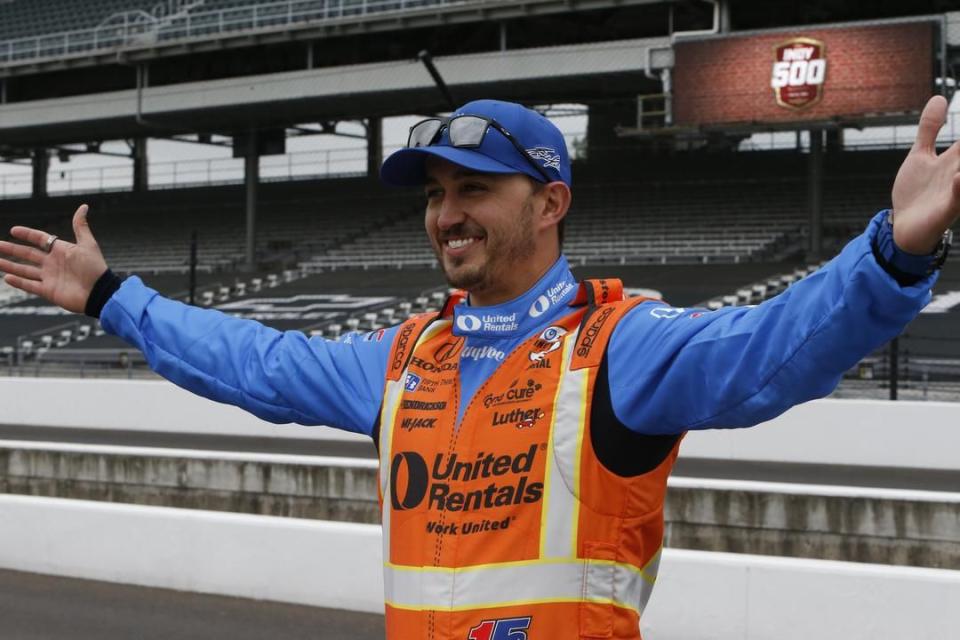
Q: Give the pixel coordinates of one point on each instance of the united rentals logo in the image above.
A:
(799, 71)
(412, 481)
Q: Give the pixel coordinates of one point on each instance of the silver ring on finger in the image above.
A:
(49, 244)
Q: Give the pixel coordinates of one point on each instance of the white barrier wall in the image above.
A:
(699, 594)
(136, 405)
(853, 432)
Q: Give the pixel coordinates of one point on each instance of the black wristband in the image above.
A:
(103, 289)
(903, 278)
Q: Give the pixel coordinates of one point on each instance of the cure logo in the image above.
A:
(502, 629)
(799, 71)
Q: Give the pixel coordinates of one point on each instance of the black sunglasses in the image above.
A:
(466, 132)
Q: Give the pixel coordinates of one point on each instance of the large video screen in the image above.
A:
(803, 75)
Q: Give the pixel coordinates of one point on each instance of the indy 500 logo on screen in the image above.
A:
(799, 69)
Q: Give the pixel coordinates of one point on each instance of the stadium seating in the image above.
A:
(666, 223)
(24, 18)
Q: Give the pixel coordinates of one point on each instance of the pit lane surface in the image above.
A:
(36, 607)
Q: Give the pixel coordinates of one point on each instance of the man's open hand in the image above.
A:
(65, 275)
(926, 193)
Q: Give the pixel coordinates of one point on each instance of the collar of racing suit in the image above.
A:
(520, 316)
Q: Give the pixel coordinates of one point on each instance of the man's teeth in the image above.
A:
(462, 242)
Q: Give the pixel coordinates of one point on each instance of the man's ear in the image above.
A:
(556, 199)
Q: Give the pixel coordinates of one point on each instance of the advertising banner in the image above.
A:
(803, 75)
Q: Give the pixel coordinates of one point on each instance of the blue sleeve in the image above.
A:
(673, 370)
(278, 376)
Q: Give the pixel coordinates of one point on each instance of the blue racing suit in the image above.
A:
(670, 370)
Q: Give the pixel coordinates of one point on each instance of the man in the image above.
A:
(526, 432)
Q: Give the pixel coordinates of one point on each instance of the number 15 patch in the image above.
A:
(503, 629)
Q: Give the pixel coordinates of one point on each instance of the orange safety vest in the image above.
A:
(508, 527)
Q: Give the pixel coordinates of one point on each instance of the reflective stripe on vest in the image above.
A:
(388, 416)
(518, 583)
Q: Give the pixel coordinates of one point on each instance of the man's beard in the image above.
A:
(503, 249)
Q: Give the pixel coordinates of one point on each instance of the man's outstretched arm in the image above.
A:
(278, 376)
(672, 371)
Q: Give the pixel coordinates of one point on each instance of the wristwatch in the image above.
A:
(940, 252)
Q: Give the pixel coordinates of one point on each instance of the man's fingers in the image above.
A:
(32, 236)
(22, 270)
(30, 286)
(931, 120)
(81, 227)
(22, 252)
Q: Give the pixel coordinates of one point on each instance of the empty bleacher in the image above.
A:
(623, 224)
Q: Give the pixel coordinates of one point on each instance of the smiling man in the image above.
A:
(527, 430)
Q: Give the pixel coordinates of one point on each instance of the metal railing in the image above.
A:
(202, 25)
(299, 165)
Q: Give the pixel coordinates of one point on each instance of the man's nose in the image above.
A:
(451, 213)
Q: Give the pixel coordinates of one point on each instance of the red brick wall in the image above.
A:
(880, 69)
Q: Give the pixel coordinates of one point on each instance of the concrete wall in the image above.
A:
(699, 595)
(923, 435)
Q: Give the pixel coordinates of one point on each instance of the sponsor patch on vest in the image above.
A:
(419, 405)
(426, 365)
(409, 424)
(520, 418)
(547, 342)
(403, 344)
(514, 393)
(448, 350)
(412, 382)
(508, 474)
(590, 334)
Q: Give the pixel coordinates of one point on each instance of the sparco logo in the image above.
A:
(403, 341)
(591, 333)
(799, 70)
(412, 481)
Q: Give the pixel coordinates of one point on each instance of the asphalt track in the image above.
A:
(36, 607)
(854, 476)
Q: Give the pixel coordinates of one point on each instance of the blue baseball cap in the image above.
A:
(496, 154)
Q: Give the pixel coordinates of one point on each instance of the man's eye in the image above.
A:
(432, 193)
(474, 187)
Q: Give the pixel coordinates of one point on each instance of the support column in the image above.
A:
(252, 180)
(815, 193)
(41, 165)
(374, 146)
(140, 165)
(724, 17)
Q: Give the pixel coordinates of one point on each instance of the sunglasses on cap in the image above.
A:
(466, 132)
